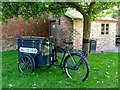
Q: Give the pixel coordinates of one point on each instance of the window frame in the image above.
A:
(105, 28)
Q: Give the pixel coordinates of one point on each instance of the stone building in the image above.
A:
(69, 26)
(103, 31)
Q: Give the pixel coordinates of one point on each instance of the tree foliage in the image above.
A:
(36, 9)
(30, 9)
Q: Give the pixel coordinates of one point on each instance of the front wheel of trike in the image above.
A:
(76, 66)
(26, 64)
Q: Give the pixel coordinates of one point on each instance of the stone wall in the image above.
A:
(24, 29)
(68, 28)
(65, 30)
(78, 33)
(118, 26)
(66, 23)
(105, 42)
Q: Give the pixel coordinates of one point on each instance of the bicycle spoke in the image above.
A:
(78, 69)
(25, 64)
(74, 62)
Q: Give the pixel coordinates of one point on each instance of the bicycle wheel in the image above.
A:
(76, 66)
(26, 64)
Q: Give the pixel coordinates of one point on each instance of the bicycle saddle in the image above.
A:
(68, 42)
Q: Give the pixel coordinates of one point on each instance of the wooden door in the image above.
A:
(53, 29)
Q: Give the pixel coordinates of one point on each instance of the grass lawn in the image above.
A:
(103, 74)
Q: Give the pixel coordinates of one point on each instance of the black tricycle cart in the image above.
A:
(39, 51)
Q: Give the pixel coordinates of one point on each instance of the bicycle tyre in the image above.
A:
(72, 67)
(26, 64)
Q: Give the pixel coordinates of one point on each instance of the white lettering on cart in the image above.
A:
(28, 50)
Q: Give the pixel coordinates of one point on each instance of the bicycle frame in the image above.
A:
(63, 51)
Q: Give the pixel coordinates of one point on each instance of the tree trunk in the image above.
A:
(86, 33)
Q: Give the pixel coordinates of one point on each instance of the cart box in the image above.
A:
(34, 46)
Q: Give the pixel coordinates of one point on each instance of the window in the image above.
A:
(107, 28)
(104, 28)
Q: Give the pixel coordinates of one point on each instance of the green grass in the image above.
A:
(103, 74)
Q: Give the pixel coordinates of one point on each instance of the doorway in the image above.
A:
(92, 46)
(53, 29)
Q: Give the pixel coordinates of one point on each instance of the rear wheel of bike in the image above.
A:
(26, 64)
(76, 67)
